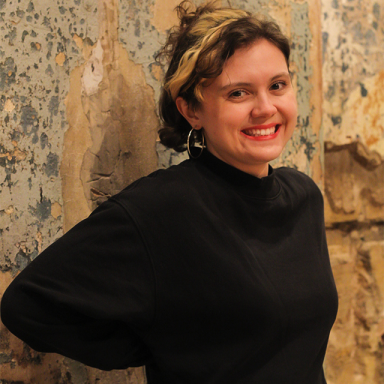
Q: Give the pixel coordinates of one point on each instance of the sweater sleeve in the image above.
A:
(89, 296)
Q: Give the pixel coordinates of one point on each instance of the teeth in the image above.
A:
(260, 132)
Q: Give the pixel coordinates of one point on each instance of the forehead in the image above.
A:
(261, 61)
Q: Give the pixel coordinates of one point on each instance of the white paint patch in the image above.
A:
(93, 71)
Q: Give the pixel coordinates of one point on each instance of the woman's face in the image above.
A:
(249, 112)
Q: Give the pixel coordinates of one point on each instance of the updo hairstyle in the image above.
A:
(197, 50)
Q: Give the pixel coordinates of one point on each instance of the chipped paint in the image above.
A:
(39, 239)
(14, 154)
(56, 210)
(353, 126)
(304, 147)
(9, 106)
(353, 62)
(93, 71)
(363, 116)
(34, 82)
(78, 86)
(9, 210)
(109, 109)
(164, 14)
(60, 59)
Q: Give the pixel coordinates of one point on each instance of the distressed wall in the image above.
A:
(353, 125)
(78, 91)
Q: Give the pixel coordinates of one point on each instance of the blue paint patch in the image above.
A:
(301, 38)
(31, 7)
(137, 28)
(24, 35)
(9, 166)
(336, 120)
(29, 120)
(335, 4)
(20, 13)
(54, 104)
(43, 208)
(22, 260)
(3, 100)
(34, 47)
(43, 140)
(325, 37)
(52, 165)
(357, 31)
(11, 36)
(370, 38)
(60, 47)
(363, 90)
(47, 22)
(309, 149)
(49, 70)
(376, 11)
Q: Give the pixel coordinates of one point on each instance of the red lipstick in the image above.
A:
(251, 134)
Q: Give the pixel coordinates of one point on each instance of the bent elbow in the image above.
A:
(8, 310)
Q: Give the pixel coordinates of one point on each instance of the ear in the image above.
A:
(188, 113)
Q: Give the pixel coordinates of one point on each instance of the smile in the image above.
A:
(269, 131)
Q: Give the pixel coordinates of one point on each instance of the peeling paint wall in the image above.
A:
(353, 72)
(111, 108)
(353, 125)
(78, 91)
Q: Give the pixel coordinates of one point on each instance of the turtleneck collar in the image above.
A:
(245, 184)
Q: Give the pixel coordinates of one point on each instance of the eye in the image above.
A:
(237, 94)
(278, 85)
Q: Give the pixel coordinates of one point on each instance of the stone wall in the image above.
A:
(353, 126)
(78, 122)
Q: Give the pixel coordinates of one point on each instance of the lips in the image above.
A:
(261, 130)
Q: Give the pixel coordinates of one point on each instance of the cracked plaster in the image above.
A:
(49, 137)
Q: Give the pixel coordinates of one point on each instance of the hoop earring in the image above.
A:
(202, 144)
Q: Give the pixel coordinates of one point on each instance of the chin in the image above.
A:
(268, 157)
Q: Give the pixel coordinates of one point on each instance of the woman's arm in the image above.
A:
(89, 296)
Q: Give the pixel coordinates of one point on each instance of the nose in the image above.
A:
(263, 106)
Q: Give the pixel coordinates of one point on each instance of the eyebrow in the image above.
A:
(245, 84)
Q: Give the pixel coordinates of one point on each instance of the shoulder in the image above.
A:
(294, 177)
(297, 183)
(162, 187)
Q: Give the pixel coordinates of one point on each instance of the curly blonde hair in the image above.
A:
(197, 50)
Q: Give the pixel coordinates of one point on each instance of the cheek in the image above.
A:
(290, 108)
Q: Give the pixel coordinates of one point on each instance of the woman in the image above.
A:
(215, 270)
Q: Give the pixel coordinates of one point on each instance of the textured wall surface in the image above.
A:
(78, 91)
(353, 124)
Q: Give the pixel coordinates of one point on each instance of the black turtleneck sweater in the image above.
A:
(203, 273)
